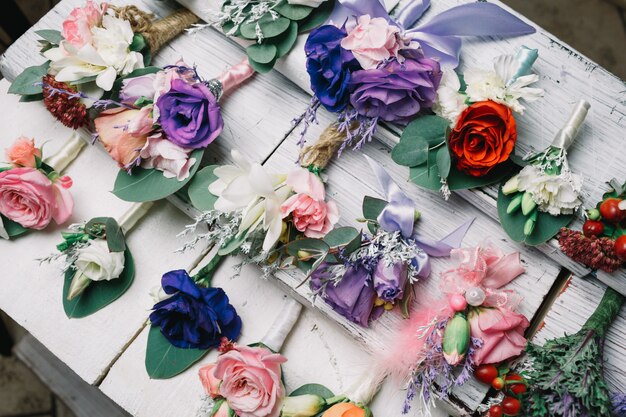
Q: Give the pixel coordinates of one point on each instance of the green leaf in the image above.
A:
(232, 245)
(150, 184)
(164, 360)
(198, 190)
(443, 162)
(98, 294)
(410, 152)
(317, 248)
(313, 389)
(138, 43)
(269, 27)
(547, 226)
(430, 128)
(115, 237)
(13, 229)
(261, 68)
(318, 17)
(347, 238)
(372, 207)
(263, 53)
(24, 83)
(51, 35)
(31, 97)
(294, 11)
(287, 40)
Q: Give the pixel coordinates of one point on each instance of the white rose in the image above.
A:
(98, 264)
(554, 194)
(310, 3)
(450, 103)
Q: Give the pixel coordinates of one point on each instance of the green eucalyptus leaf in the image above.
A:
(270, 27)
(261, 68)
(31, 97)
(24, 84)
(410, 152)
(318, 17)
(263, 53)
(313, 389)
(164, 360)
(347, 238)
(546, 227)
(443, 162)
(287, 40)
(318, 249)
(293, 11)
(372, 207)
(430, 128)
(51, 35)
(198, 190)
(150, 184)
(98, 294)
(13, 229)
(232, 245)
(115, 236)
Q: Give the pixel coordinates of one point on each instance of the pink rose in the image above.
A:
(310, 213)
(209, 382)
(373, 41)
(114, 129)
(174, 161)
(29, 198)
(23, 152)
(502, 333)
(77, 27)
(251, 381)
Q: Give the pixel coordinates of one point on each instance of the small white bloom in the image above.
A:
(450, 103)
(554, 194)
(158, 294)
(97, 263)
(310, 3)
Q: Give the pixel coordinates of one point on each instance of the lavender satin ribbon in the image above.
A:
(440, 37)
(399, 215)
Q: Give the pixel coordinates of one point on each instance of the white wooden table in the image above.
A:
(108, 349)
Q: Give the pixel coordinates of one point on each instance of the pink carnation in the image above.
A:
(502, 333)
(373, 41)
(77, 27)
(310, 213)
(29, 198)
(251, 381)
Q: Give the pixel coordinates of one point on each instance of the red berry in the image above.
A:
(495, 411)
(593, 228)
(514, 386)
(611, 212)
(620, 247)
(486, 373)
(497, 383)
(511, 406)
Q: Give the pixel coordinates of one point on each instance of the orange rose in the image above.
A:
(484, 137)
(344, 410)
(23, 152)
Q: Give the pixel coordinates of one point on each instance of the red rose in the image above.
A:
(484, 137)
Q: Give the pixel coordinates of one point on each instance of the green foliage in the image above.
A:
(13, 229)
(346, 238)
(164, 360)
(318, 17)
(313, 389)
(372, 207)
(50, 35)
(25, 83)
(198, 190)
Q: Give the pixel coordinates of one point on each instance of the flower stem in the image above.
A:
(605, 313)
(205, 275)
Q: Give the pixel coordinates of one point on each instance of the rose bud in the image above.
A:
(456, 339)
(389, 281)
(511, 186)
(302, 406)
(345, 410)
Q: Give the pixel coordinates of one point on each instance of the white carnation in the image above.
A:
(97, 263)
(450, 103)
(554, 194)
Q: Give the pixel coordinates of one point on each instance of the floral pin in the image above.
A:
(81, 66)
(33, 193)
(543, 197)
(470, 141)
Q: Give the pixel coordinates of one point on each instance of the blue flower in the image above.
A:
(194, 317)
(329, 67)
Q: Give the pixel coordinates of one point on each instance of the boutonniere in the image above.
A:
(475, 323)
(80, 66)
(369, 66)
(373, 273)
(163, 121)
(602, 242)
(544, 196)
(98, 266)
(272, 25)
(471, 139)
(33, 193)
(273, 220)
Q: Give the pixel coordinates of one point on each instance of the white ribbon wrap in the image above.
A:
(276, 335)
(567, 135)
(128, 220)
(366, 387)
(60, 160)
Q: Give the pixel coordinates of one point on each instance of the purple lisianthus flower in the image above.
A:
(137, 87)
(353, 296)
(329, 66)
(190, 115)
(396, 92)
(194, 317)
(389, 281)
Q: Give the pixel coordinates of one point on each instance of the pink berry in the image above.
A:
(457, 302)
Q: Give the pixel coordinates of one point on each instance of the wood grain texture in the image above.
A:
(566, 75)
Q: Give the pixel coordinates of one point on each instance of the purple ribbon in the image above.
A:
(399, 215)
(440, 37)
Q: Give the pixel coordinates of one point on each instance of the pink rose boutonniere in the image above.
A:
(373, 41)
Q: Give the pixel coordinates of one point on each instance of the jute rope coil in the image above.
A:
(320, 154)
(156, 32)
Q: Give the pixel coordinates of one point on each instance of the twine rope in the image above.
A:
(321, 153)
